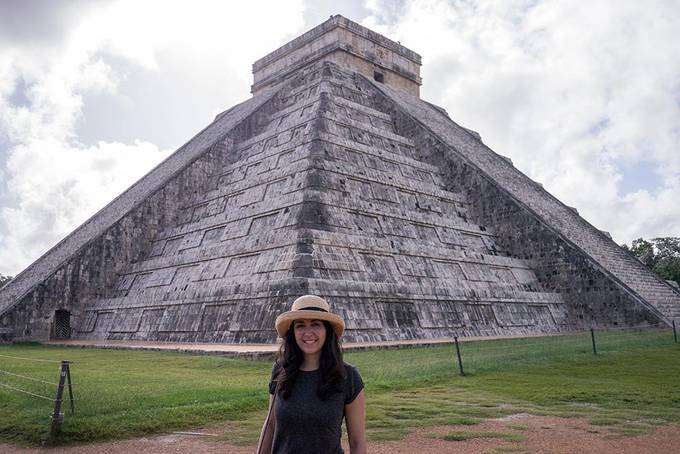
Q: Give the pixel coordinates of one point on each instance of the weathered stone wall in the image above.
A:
(92, 273)
(393, 249)
(231, 261)
(619, 264)
(592, 296)
(347, 44)
(320, 194)
(330, 186)
(85, 265)
(48, 264)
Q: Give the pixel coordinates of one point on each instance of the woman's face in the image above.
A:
(310, 335)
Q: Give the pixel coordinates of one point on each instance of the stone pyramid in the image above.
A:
(333, 179)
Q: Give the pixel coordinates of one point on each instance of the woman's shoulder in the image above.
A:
(349, 367)
(353, 383)
(351, 370)
(276, 369)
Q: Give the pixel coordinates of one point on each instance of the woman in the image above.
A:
(311, 387)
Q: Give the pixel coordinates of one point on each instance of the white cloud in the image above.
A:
(56, 179)
(571, 92)
(64, 186)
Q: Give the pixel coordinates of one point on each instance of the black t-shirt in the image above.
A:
(307, 424)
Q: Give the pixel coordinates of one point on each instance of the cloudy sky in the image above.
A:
(583, 96)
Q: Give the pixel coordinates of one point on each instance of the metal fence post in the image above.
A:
(70, 386)
(460, 361)
(675, 333)
(592, 337)
(58, 416)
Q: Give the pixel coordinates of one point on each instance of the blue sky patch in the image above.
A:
(639, 175)
(19, 98)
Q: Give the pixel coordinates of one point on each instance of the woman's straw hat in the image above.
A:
(309, 307)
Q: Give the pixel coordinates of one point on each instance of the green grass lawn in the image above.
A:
(632, 385)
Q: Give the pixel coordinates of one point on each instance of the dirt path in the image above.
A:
(535, 434)
(540, 435)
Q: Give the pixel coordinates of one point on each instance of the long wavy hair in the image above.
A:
(290, 357)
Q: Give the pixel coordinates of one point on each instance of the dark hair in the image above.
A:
(290, 359)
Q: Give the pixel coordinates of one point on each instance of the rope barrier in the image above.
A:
(471, 348)
(28, 378)
(633, 333)
(633, 329)
(26, 392)
(603, 336)
(628, 340)
(480, 354)
(34, 359)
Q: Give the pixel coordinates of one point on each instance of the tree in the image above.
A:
(4, 280)
(661, 255)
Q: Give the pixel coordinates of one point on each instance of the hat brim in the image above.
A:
(284, 320)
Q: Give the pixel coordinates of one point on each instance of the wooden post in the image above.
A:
(70, 386)
(460, 361)
(592, 337)
(675, 333)
(58, 416)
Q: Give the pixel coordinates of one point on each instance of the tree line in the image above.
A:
(4, 279)
(661, 255)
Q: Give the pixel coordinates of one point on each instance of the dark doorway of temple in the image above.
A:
(62, 324)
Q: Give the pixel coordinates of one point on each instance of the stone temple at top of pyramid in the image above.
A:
(334, 179)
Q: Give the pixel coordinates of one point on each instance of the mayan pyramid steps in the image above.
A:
(334, 179)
